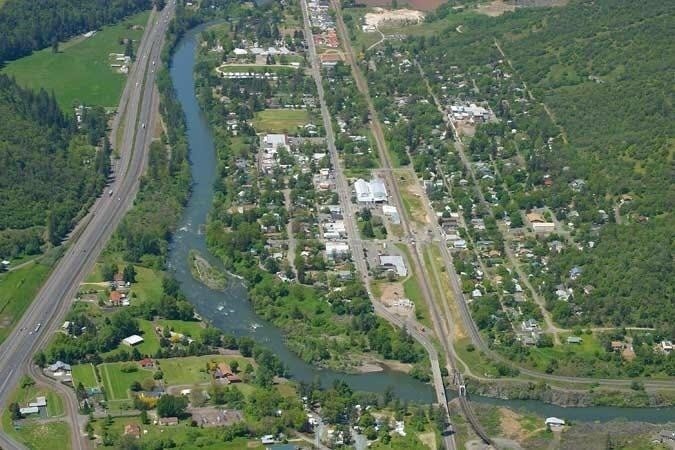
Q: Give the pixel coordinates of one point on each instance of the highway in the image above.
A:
(138, 110)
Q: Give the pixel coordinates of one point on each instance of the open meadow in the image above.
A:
(81, 71)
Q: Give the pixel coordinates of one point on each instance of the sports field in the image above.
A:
(81, 70)
(279, 120)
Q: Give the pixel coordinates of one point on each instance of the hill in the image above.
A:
(49, 170)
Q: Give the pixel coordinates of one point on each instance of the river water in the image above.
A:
(230, 309)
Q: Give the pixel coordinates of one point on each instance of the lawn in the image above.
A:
(148, 283)
(192, 369)
(81, 70)
(183, 435)
(117, 383)
(43, 436)
(17, 290)
(280, 120)
(191, 329)
(150, 343)
(84, 373)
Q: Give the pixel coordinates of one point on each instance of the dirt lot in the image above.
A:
(381, 16)
(215, 417)
(422, 5)
(495, 8)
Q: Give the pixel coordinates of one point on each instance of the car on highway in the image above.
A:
(143, 125)
(37, 327)
(110, 193)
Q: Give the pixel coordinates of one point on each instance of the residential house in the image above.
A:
(147, 363)
(132, 340)
(167, 421)
(574, 340)
(132, 429)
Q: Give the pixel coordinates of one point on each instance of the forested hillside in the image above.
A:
(27, 25)
(605, 70)
(49, 170)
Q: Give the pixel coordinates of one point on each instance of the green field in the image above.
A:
(183, 435)
(17, 290)
(117, 383)
(192, 369)
(84, 373)
(191, 329)
(279, 120)
(43, 436)
(81, 70)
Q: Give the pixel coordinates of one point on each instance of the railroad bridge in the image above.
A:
(458, 382)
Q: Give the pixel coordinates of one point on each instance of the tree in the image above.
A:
(108, 271)
(234, 365)
(15, 411)
(129, 273)
(171, 406)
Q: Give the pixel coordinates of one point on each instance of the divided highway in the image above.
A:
(137, 113)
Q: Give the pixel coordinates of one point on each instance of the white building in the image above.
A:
(132, 340)
(392, 213)
(336, 249)
(274, 141)
(396, 262)
(373, 191)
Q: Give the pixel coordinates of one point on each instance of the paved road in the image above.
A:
(140, 101)
(411, 237)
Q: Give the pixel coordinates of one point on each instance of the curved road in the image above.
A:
(139, 103)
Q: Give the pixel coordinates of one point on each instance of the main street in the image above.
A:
(138, 108)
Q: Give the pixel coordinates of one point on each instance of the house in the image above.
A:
(530, 325)
(554, 422)
(574, 340)
(225, 371)
(575, 272)
(459, 244)
(395, 263)
(132, 340)
(535, 217)
(543, 227)
(115, 298)
(268, 439)
(147, 363)
(59, 366)
(666, 346)
(167, 421)
(29, 410)
(617, 346)
(39, 402)
(132, 429)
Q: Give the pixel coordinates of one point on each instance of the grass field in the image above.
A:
(81, 70)
(279, 120)
(84, 373)
(191, 329)
(17, 290)
(117, 383)
(192, 369)
(43, 436)
(183, 435)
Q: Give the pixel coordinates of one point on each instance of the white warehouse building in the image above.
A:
(373, 191)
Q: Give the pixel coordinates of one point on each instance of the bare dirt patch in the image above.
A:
(422, 5)
(495, 8)
(381, 16)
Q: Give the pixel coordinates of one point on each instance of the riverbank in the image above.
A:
(572, 398)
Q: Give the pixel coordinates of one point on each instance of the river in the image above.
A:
(231, 311)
